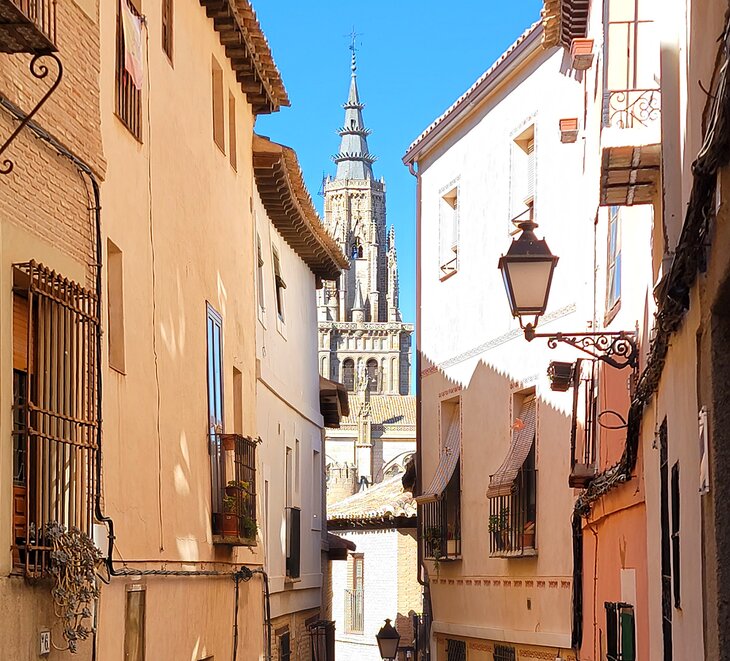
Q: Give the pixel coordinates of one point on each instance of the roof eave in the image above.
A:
(290, 208)
(461, 108)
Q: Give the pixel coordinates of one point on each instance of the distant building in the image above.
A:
(379, 579)
(362, 337)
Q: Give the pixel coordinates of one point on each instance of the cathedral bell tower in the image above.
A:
(360, 323)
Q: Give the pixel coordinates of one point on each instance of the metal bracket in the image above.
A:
(38, 70)
(617, 349)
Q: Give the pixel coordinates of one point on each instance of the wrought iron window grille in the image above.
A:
(55, 416)
(440, 523)
(512, 518)
(233, 478)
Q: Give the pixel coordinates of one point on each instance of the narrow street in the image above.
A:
(386, 332)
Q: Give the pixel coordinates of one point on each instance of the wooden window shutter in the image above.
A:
(20, 333)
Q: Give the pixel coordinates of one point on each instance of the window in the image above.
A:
(215, 370)
(665, 544)
(513, 487)
(316, 490)
(449, 232)
(440, 515)
(504, 653)
(115, 306)
(455, 650)
(675, 537)
(284, 646)
(280, 286)
(55, 427)
(356, 250)
(613, 264)
(232, 152)
(522, 177)
(127, 96)
(348, 374)
(167, 21)
(372, 372)
(219, 130)
(134, 624)
(237, 401)
(620, 632)
(260, 275)
(355, 595)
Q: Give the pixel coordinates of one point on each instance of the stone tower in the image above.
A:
(360, 325)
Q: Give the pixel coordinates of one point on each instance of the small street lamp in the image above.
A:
(388, 639)
(527, 271)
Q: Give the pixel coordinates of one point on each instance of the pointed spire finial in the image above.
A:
(353, 47)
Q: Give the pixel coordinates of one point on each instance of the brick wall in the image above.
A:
(72, 113)
(296, 625)
(45, 195)
(409, 589)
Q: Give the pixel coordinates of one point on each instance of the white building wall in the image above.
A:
(288, 416)
(380, 551)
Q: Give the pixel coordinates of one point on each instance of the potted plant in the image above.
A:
(450, 541)
(234, 486)
(432, 537)
(229, 522)
(249, 527)
(528, 535)
(581, 53)
(499, 528)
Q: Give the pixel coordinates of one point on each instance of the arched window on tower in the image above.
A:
(356, 252)
(348, 374)
(371, 368)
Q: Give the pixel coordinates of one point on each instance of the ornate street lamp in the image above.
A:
(527, 271)
(388, 639)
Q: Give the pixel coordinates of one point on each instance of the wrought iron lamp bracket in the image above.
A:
(38, 70)
(618, 349)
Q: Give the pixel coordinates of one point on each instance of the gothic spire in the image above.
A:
(354, 161)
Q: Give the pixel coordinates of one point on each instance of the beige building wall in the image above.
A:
(44, 216)
(181, 215)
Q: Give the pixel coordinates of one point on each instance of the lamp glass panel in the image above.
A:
(528, 282)
(388, 647)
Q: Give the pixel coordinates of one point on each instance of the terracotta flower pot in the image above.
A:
(581, 53)
(228, 443)
(230, 525)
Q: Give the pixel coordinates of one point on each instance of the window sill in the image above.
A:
(611, 314)
(446, 276)
(119, 370)
(225, 540)
(528, 552)
(281, 326)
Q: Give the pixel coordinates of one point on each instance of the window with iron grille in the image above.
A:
(167, 23)
(676, 582)
(455, 650)
(127, 98)
(355, 595)
(504, 653)
(55, 413)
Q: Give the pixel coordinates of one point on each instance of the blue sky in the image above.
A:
(415, 58)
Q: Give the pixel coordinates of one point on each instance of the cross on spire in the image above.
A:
(353, 47)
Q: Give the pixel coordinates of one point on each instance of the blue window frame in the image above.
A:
(215, 371)
(613, 264)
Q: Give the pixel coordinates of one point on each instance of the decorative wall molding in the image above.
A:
(497, 341)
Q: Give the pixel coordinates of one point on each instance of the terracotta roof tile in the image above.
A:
(388, 410)
(387, 499)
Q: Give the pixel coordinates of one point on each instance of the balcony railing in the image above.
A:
(27, 26)
(293, 541)
(441, 528)
(512, 519)
(634, 108)
(233, 483)
(354, 611)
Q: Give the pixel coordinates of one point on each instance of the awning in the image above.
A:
(523, 436)
(447, 463)
(333, 402)
(339, 547)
